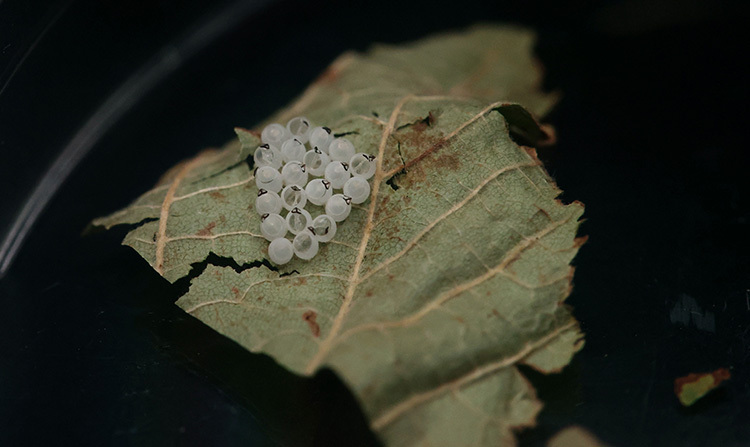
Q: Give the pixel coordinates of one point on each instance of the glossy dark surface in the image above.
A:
(652, 138)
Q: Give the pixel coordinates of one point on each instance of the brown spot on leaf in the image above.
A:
(206, 231)
(577, 242)
(571, 272)
(414, 177)
(310, 317)
(448, 161)
(420, 126)
(569, 284)
(217, 195)
(368, 293)
(543, 211)
(414, 138)
(496, 313)
(568, 291)
(423, 124)
(328, 76)
(236, 292)
(428, 142)
(532, 153)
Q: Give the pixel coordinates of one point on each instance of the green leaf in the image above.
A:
(434, 290)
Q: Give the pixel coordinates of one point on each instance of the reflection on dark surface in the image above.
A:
(651, 132)
(687, 312)
(154, 71)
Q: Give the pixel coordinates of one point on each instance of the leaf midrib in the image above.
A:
(355, 278)
(326, 344)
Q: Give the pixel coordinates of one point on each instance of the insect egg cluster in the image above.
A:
(297, 167)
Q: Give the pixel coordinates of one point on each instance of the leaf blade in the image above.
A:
(434, 290)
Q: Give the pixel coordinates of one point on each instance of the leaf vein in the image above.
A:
(512, 254)
(417, 399)
(443, 140)
(214, 188)
(440, 218)
(161, 236)
(338, 321)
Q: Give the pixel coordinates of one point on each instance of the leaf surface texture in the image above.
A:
(435, 289)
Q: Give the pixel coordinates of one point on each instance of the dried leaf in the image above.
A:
(689, 389)
(434, 290)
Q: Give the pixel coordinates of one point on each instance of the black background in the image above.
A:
(652, 138)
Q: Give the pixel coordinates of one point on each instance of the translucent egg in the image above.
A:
(321, 137)
(292, 150)
(341, 149)
(298, 220)
(267, 155)
(358, 189)
(337, 172)
(267, 202)
(293, 197)
(305, 245)
(274, 134)
(299, 128)
(323, 228)
(268, 178)
(338, 207)
(316, 162)
(272, 226)
(280, 251)
(362, 165)
(318, 191)
(294, 173)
